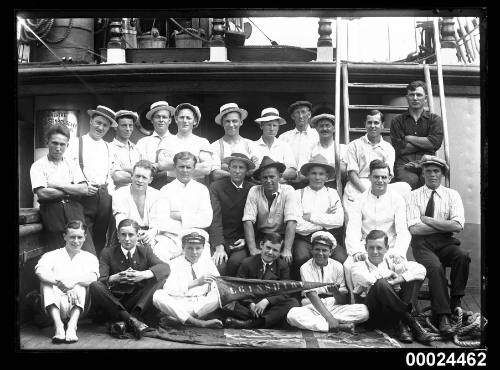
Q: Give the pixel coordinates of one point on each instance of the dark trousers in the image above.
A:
(118, 306)
(415, 180)
(301, 251)
(385, 305)
(97, 211)
(435, 252)
(161, 179)
(55, 216)
(230, 267)
(274, 315)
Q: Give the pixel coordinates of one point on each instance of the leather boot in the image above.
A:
(445, 328)
(419, 333)
(403, 333)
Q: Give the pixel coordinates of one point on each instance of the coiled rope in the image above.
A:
(42, 27)
(466, 333)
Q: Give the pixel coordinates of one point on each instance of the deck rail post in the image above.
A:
(218, 50)
(115, 50)
(324, 51)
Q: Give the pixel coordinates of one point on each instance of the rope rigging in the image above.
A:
(42, 27)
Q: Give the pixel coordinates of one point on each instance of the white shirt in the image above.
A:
(191, 200)
(60, 265)
(242, 146)
(181, 275)
(279, 152)
(97, 159)
(387, 213)
(301, 143)
(333, 272)
(317, 203)
(124, 206)
(148, 146)
(124, 251)
(365, 274)
(328, 152)
(44, 171)
(447, 205)
(124, 155)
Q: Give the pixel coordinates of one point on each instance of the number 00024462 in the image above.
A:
(476, 358)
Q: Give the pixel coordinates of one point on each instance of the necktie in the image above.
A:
(193, 273)
(129, 259)
(322, 273)
(267, 267)
(429, 210)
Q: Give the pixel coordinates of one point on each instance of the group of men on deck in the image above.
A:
(271, 212)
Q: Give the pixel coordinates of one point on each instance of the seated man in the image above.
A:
(228, 197)
(64, 275)
(130, 274)
(272, 207)
(184, 203)
(320, 208)
(266, 312)
(190, 292)
(325, 308)
(387, 288)
(434, 213)
(382, 208)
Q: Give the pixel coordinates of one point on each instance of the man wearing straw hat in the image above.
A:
(125, 153)
(325, 309)
(228, 197)
(160, 114)
(320, 209)
(94, 156)
(434, 214)
(271, 146)
(187, 116)
(231, 118)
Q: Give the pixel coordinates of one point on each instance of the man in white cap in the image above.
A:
(302, 137)
(95, 158)
(361, 152)
(325, 309)
(271, 146)
(187, 116)
(325, 126)
(320, 209)
(125, 153)
(434, 213)
(190, 292)
(160, 114)
(231, 118)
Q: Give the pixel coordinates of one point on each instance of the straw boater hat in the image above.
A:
(319, 117)
(432, 159)
(267, 162)
(270, 114)
(239, 157)
(124, 112)
(228, 108)
(318, 160)
(297, 104)
(159, 105)
(193, 235)
(193, 108)
(324, 237)
(101, 110)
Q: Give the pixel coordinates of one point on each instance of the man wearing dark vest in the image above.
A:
(95, 158)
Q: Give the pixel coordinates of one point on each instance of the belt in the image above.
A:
(66, 199)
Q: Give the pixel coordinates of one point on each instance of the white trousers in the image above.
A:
(181, 308)
(167, 247)
(52, 295)
(307, 317)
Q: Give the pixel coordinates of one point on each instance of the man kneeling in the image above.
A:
(190, 292)
(325, 308)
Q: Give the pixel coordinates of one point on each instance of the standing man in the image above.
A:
(271, 146)
(187, 117)
(361, 152)
(94, 156)
(434, 213)
(387, 289)
(184, 203)
(266, 312)
(59, 183)
(272, 207)
(125, 153)
(413, 134)
(302, 137)
(228, 197)
(231, 118)
(130, 273)
(160, 114)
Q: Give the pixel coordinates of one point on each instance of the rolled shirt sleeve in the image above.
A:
(251, 209)
(352, 158)
(456, 208)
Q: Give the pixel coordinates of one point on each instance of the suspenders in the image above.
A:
(80, 155)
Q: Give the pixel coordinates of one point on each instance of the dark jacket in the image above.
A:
(113, 261)
(253, 268)
(227, 204)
